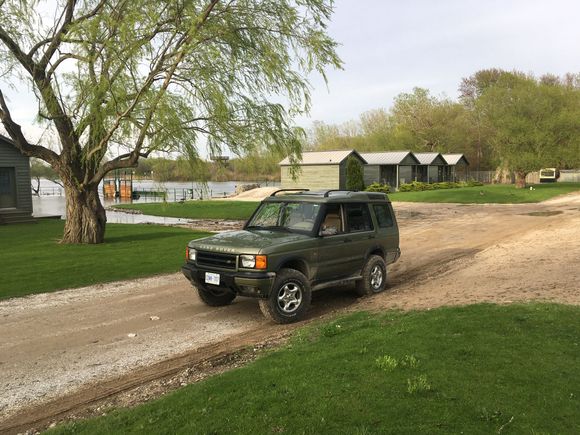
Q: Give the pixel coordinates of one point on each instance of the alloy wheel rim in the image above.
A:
(289, 297)
(377, 277)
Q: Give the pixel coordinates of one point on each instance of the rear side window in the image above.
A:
(384, 216)
(358, 217)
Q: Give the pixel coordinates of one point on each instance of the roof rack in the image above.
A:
(288, 190)
(328, 192)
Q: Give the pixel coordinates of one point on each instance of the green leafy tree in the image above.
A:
(354, 174)
(423, 122)
(117, 80)
(535, 123)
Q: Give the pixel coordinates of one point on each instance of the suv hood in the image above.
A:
(245, 242)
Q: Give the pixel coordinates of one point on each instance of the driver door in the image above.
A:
(333, 247)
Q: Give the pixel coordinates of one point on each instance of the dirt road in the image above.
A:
(108, 338)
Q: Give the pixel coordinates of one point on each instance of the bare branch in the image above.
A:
(19, 141)
(25, 60)
(56, 39)
(60, 60)
(123, 161)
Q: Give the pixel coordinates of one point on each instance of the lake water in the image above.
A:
(52, 200)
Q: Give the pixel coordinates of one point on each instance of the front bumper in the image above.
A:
(252, 284)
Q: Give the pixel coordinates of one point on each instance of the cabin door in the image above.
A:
(7, 188)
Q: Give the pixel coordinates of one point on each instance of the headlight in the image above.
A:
(254, 261)
(248, 261)
(191, 254)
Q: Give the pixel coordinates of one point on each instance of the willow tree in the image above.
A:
(118, 79)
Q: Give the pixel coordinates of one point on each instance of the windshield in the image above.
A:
(286, 216)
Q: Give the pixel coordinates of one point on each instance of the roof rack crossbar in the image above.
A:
(288, 190)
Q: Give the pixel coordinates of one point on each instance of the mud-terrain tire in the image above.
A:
(289, 299)
(374, 277)
(217, 297)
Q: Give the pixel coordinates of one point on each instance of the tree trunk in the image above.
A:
(520, 179)
(502, 174)
(85, 216)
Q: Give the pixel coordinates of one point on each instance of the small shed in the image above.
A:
(432, 167)
(390, 167)
(15, 190)
(319, 170)
(457, 167)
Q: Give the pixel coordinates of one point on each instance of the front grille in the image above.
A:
(214, 259)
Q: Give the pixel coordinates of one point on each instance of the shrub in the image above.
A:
(418, 186)
(354, 174)
(415, 186)
(378, 187)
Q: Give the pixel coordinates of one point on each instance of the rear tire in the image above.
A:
(217, 297)
(289, 299)
(374, 277)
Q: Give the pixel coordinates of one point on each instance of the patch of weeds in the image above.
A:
(303, 336)
(490, 416)
(418, 384)
(387, 363)
(409, 361)
(331, 329)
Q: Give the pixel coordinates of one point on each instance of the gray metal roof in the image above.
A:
(322, 158)
(453, 159)
(426, 158)
(386, 157)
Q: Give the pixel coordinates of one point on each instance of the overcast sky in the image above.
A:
(389, 47)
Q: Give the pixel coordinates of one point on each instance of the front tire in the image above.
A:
(374, 276)
(216, 297)
(289, 299)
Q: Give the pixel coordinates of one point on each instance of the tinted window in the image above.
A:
(358, 217)
(384, 217)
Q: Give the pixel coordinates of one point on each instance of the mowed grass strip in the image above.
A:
(214, 209)
(478, 369)
(33, 261)
(488, 194)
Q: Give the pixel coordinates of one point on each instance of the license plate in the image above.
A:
(212, 278)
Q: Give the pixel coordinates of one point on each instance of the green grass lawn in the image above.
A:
(33, 262)
(479, 369)
(213, 209)
(489, 193)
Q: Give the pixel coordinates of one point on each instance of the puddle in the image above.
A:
(544, 213)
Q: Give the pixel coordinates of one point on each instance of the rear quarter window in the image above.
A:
(383, 214)
(358, 217)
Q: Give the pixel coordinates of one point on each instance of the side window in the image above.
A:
(332, 223)
(383, 214)
(358, 217)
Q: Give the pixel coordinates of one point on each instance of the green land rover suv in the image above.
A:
(294, 244)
